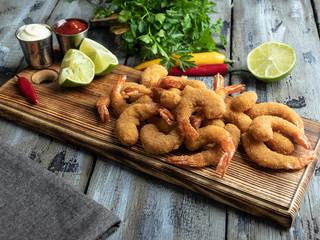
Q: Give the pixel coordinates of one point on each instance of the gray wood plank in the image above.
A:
(68, 162)
(316, 11)
(291, 22)
(152, 209)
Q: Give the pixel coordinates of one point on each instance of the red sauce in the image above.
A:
(70, 27)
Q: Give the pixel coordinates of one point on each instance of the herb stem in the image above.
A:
(166, 28)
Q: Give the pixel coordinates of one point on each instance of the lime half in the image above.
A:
(271, 61)
(103, 59)
(77, 69)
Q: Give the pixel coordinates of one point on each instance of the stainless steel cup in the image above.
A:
(38, 53)
(70, 41)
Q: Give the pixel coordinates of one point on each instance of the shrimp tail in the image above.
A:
(166, 115)
(129, 91)
(168, 82)
(303, 141)
(298, 124)
(197, 120)
(119, 85)
(234, 88)
(104, 113)
(218, 82)
(102, 106)
(159, 84)
(229, 147)
(223, 164)
(187, 130)
(305, 159)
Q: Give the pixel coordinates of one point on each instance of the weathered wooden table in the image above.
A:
(151, 208)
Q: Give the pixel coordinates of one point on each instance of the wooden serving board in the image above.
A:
(69, 114)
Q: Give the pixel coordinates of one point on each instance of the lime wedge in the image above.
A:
(103, 59)
(271, 61)
(77, 69)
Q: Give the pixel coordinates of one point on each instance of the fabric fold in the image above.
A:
(35, 204)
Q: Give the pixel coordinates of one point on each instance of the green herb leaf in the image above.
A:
(160, 17)
(124, 16)
(145, 38)
(184, 61)
(154, 49)
(166, 28)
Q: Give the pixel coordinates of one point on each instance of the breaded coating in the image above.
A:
(152, 74)
(156, 142)
(259, 153)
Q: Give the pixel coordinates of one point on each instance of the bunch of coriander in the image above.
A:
(166, 28)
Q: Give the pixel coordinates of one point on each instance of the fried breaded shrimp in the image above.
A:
(234, 114)
(280, 144)
(276, 109)
(133, 91)
(216, 122)
(118, 102)
(259, 153)
(126, 125)
(161, 124)
(197, 119)
(240, 119)
(244, 101)
(200, 120)
(218, 86)
(186, 90)
(237, 117)
(143, 99)
(155, 141)
(180, 83)
(167, 98)
(103, 103)
(119, 99)
(152, 74)
(221, 90)
(262, 128)
(212, 105)
(220, 154)
(207, 134)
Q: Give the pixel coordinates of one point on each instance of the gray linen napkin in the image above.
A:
(35, 204)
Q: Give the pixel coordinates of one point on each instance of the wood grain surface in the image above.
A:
(70, 114)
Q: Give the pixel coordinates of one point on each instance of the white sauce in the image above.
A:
(34, 32)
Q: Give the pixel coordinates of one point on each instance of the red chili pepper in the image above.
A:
(27, 89)
(203, 70)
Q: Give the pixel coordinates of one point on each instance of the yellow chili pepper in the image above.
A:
(198, 58)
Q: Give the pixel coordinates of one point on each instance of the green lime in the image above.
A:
(77, 69)
(271, 61)
(103, 59)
